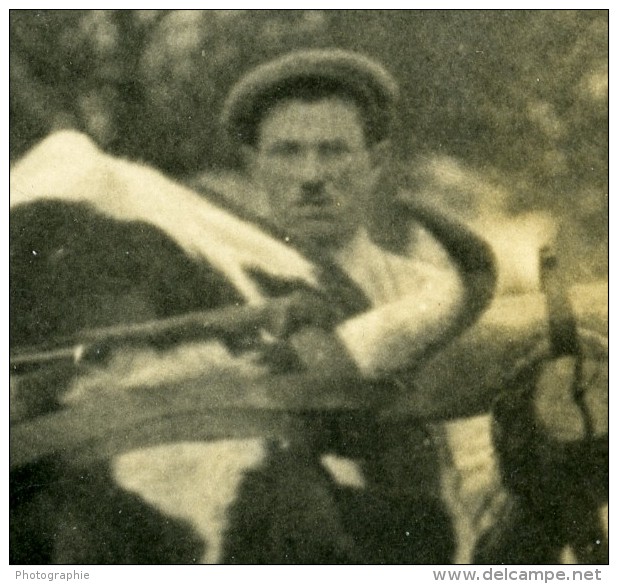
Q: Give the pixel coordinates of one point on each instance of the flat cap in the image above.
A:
(330, 70)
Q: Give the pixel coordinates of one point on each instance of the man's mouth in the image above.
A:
(318, 212)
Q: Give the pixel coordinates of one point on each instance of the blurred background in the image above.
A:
(503, 112)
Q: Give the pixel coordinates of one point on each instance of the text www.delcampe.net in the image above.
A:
(516, 574)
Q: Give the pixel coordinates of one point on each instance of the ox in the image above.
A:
(139, 461)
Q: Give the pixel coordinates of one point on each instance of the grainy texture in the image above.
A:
(503, 123)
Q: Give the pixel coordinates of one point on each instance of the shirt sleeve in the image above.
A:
(398, 334)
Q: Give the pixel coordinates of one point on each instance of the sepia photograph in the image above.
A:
(309, 287)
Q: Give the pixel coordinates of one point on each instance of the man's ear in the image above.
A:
(249, 158)
(381, 154)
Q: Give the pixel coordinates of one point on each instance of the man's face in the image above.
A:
(312, 160)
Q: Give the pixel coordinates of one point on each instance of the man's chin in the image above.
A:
(325, 232)
(327, 236)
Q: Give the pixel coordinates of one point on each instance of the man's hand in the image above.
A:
(300, 309)
(301, 325)
(321, 351)
(313, 350)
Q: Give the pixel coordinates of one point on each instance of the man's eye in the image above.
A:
(333, 150)
(284, 149)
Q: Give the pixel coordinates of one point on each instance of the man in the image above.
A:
(314, 128)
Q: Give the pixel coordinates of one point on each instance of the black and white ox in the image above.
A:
(191, 453)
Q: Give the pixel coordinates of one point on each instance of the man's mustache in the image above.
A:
(316, 192)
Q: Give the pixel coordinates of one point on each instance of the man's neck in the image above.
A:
(343, 252)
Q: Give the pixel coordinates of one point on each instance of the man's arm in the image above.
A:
(399, 334)
(445, 297)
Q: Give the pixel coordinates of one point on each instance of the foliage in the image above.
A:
(518, 95)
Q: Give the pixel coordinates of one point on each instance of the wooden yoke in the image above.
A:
(461, 380)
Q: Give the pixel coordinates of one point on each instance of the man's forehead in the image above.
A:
(325, 119)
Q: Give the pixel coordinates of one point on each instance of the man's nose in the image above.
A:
(312, 179)
(310, 168)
